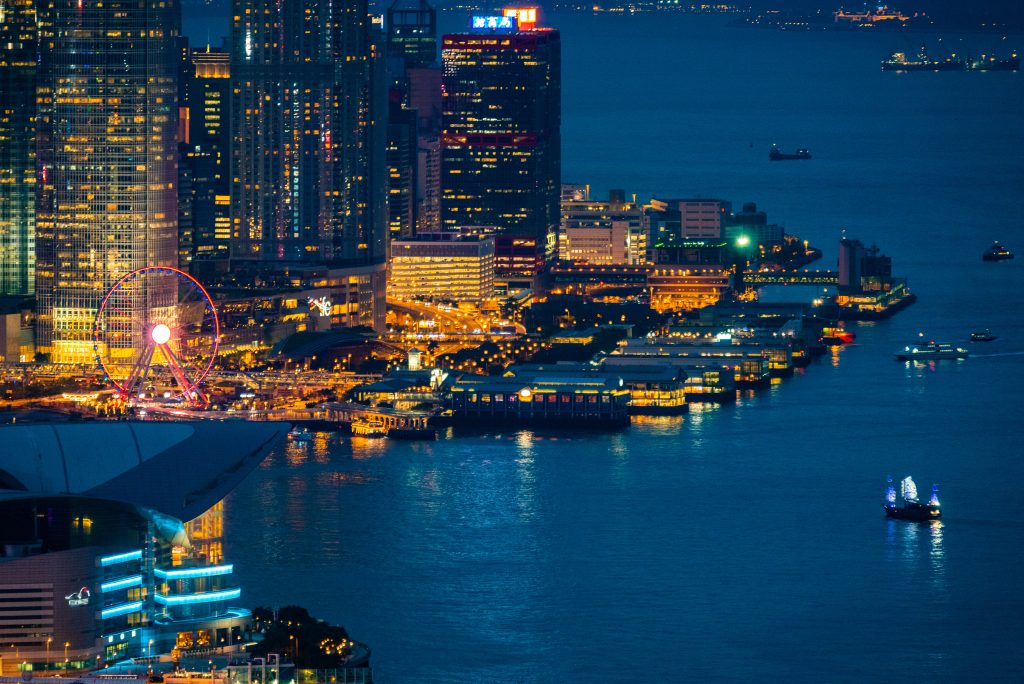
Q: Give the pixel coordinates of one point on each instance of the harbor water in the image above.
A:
(737, 542)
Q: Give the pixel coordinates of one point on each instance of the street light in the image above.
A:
(66, 644)
(49, 640)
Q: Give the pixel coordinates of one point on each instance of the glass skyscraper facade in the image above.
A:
(106, 164)
(18, 41)
(501, 121)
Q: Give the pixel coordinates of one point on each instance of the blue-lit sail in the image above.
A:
(909, 489)
(890, 494)
(934, 501)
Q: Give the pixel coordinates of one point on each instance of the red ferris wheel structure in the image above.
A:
(156, 335)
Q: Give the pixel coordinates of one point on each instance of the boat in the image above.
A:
(982, 336)
(369, 427)
(997, 253)
(932, 351)
(898, 61)
(778, 155)
(911, 508)
(300, 434)
(836, 336)
(992, 63)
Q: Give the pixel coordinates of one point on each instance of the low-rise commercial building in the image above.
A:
(449, 266)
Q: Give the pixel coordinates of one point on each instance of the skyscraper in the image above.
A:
(205, 154)
(501, 143)
(304, 145)
(412, 32)
(18, 41)
(106, 159)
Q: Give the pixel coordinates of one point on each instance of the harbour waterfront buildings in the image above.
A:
(107, 171)
(501, 129)
(18, 47)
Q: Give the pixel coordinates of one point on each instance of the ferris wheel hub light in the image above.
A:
(161, 333)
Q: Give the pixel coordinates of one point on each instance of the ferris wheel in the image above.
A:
(156, 335)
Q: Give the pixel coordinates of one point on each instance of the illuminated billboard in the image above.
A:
(504, 24)
(526, 17)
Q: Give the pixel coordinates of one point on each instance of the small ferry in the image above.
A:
(370, 427)
(300, 434)
(997, 253)
(836, 336)
(982, 336)
(911, 508)
(778, 155)
(932, 351)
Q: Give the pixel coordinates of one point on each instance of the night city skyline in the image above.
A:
(495, 342)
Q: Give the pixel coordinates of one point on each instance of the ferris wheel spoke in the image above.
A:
(189, 388)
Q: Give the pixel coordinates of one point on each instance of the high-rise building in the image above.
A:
(501, 121)
(403, 165)
(414, 114)
(205, 154)
(308, 130)
(412, 32)
(18, 41)
(302, 139)
(107, 163)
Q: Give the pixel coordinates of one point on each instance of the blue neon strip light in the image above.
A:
(121, 558)
(189, 573)
(123, 583)
(208, 597)
(122, 609)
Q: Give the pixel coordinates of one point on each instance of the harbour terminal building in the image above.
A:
(96, 562)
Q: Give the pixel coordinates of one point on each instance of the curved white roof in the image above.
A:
(180, 469)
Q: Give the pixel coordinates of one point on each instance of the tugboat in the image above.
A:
(997, 253)
(835, 336)
(912, 508)
(931, 352)
(982, 336)
(778, 155)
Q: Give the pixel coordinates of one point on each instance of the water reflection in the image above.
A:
(909, 543)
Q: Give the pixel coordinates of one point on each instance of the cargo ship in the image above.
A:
(778, 155)
(996, 253)
(912, 508)
(931, 352)
(898, 61)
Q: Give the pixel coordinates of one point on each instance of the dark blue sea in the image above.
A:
(742, 542)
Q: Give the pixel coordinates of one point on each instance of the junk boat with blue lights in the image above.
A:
(983, 336)
(778, 155)
(912, 508)
(931, 352)
(997, 253)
